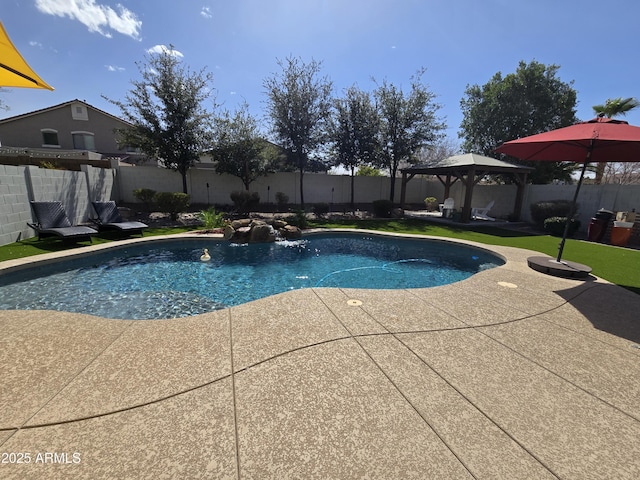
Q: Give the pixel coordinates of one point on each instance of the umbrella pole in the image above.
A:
(572, 210)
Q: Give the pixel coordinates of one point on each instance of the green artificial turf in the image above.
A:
(617, 265)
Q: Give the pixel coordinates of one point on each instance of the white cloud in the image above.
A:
(206, 12)
(113, 68)
(97, 18)
(165, 49)
(33, 43)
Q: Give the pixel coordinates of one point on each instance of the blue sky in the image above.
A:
(88, 48)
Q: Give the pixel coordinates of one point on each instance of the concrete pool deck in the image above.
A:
(509, 374)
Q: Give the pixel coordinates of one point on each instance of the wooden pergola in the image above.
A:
(469, 168)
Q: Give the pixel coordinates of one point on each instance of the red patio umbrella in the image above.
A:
(598, 140)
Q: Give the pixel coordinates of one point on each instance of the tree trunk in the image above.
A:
(301, 188)
(392, 189)
(353, 176)
(184, 182)
(600, 167)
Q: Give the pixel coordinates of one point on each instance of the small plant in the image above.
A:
(281, 199)
(172, 203)
(431, 203)
(145, 195)
(556, 225)
(211, 219)
(245, 201)
(299, 219)
(382, 208)
(321, 209)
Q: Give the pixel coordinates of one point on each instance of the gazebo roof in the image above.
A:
(464, 163)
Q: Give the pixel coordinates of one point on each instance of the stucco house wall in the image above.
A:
(64, 119)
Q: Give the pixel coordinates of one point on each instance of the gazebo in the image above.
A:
(469, 168)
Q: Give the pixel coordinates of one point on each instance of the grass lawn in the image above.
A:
(617, 265)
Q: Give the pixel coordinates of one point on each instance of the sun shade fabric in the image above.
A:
(14, 70)
(107, 212)
(50, 215)
(609, 140)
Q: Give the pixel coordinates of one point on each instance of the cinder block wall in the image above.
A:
(15, 211)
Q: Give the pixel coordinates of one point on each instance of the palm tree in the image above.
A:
(612, 108)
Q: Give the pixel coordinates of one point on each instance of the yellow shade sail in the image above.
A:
(14, 71)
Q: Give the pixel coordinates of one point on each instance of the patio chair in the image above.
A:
(447, 207)
(52, 220)
(482, 213)
(109, 218)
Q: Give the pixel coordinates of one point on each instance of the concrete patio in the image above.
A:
(510, 374)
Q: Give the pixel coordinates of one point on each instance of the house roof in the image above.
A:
(465, 163)
(61, 105)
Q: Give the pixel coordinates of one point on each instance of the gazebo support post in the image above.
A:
(469, 182)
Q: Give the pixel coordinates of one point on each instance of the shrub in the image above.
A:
(281, 199)
(299, 219)
(145, 195)
(382, 208)
(245, 201)
(540, 211)
(172, 203)
(321, 209)
(556, 225)
(431, 203)
(211, 219)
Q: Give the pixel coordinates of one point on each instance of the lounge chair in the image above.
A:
(482, 213)
(52, 220)
(447, 207)
(109, 218)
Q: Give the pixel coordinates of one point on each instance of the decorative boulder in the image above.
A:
(244, 222)
(261, 232)
(228, 232)
(291, 232)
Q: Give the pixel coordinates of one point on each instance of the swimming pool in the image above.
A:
(166, 280)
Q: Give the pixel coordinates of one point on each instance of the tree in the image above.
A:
(439, 151)
(239, 149)
(531, 100)
(623, 173)
(299, 103)
(612, 108)
(166, 113)
(368, 171)
(353, 131)
(408, 122)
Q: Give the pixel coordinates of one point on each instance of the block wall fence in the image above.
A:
(20, 184)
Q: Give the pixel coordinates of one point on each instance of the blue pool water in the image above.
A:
(168, 280)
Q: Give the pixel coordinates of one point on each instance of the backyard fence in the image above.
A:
(76, 189)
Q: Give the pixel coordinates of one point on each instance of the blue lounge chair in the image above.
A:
(52, 220)
(109, 218)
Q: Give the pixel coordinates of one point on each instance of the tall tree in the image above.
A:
(353, 131)
(239, 149)
(299, 103)
(531, 100)
(612, 108)
(165, 109)
(408, 122)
